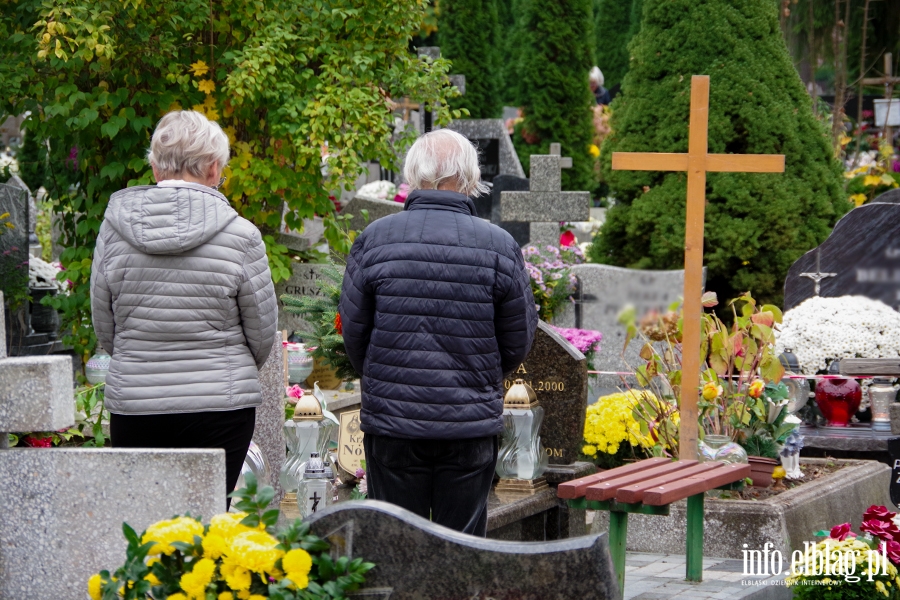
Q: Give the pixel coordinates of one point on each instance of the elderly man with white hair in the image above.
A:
(183, 301)
(436, 308)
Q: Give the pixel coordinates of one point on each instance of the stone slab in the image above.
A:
(302, 282)
(36, 393)
(785, 520)
(889, 196)
(604, 292)
(505, 183)
(269, 431)
(545, 206)
(417, 559)
(14, 242)
(377, 209)
(64, 508)
(845, 439)
(497, 153)
(863, 251)
(557, 372)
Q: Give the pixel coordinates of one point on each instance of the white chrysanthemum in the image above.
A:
(42, 274)
(823, 329)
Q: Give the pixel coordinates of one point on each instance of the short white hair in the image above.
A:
(443, 156)
(185, 141)
(596, 76)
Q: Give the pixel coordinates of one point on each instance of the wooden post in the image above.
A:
(697, 163)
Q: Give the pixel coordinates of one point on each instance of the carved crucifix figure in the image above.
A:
(697, 162)
(818, 276)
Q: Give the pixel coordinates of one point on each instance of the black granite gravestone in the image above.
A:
(510, 183)
(860, 257)
(557, 372)
(488, 157)
(416, 559)
(894, 452)
(14, 242)
(889, 196)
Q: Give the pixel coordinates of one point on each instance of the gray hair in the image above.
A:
(596, 76)
(444, 156)
(185, 141)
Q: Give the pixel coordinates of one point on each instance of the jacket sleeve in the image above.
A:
(357, 309)
(101, 297)
(256, 301)
(515, 315)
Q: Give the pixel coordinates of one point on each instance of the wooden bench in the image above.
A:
(648, 487)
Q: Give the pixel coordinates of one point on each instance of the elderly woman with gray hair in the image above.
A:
(183, 301)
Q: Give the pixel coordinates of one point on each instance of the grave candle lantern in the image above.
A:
(881, 395)
(838, 398)
(798, 389)
(315, 490)
(307, 433)
(522, 460)
(97, 367)
(300, 362)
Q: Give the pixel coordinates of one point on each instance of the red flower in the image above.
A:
(878, 513)
(44, 442)
(892, 551)
(885, 530)
(337, 324)
(567, 238)
(841, 532)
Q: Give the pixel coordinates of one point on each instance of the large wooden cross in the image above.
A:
(697, 162)
(888, 81)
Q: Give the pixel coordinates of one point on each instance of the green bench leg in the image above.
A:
(694, 538)
(618, 532)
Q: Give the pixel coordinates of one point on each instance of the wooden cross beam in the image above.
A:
(697, 162)
(888, 81)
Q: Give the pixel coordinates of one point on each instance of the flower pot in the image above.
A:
(44, 319)
(761, 470)
(838, 399)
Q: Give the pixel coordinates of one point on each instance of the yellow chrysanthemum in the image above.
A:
(237, 578)
(589, 450)
(297, 563)
(152, 579)
(880, 587)
(228, 525)
(256, 597)
(207, 86)
(179, 529)
(178, 596)
(94, 584)
(225, 596)
(610, 422)
(859, 199)
(872, 181)
(594, 150)
(244, 595)
(214, 545)
(195, 582)
(199, 68)
(255, 551)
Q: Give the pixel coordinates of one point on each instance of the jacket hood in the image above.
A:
(440, 200)
(169, 219)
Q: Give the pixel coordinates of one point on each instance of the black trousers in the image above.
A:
(445, 480)
(230, 430)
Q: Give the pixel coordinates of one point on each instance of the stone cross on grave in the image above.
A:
(697, 162)
(545, 205)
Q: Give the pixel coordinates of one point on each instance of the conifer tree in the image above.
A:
(637, 13)
(556, 100)
(757, 225)
(612, 25)
(468, 34)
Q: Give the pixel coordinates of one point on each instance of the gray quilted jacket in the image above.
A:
(182, 300)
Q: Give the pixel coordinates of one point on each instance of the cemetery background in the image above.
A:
(299, 225)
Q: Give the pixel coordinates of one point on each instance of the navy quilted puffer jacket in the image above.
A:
(436, 307)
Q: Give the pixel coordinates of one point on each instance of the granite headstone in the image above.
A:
(496, 152)
(269, 431)
(376, 209)
(860, 257)
(557, 372)
(509, 183)
(416, 559)
(889, 196)
(602, 294)
(303, 282)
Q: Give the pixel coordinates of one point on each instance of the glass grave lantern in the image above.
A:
(522, 460)
(97, 367)
(314, 491)
(881, 396)
(309, 431)
(300, 362)
(798, 388)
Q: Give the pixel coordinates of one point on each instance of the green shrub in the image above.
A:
(757, 225)
(468, 34)
(612, 24)
(32, 162)
(556, 99)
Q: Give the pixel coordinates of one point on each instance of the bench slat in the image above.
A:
(607, 489)
(570, 490)
(724, 474)
(635, 492)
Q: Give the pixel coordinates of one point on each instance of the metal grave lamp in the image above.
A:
(307, 433)
(315, 490)
(522, 460)
(798, 389)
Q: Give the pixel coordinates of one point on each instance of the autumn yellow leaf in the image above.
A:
(207, 86)
(199, 68)
(858, 199)
(872, 181)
